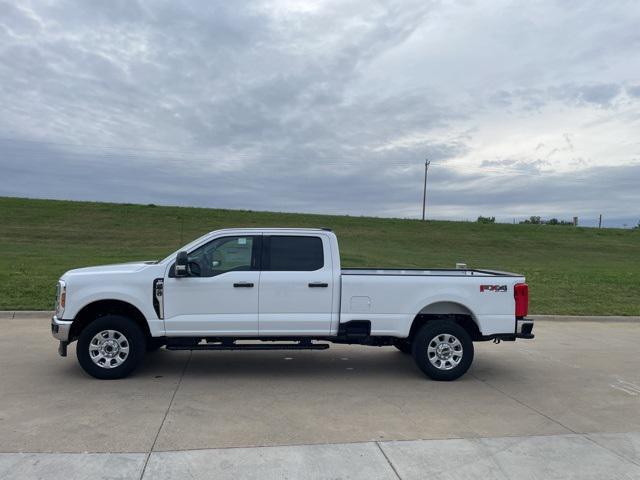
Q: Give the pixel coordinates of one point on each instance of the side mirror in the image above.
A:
(182, 265)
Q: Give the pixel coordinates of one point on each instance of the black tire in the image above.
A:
(130, 337)
(154, 344)
(403, 345)
(440, 332)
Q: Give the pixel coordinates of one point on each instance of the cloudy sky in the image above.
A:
(524, 108)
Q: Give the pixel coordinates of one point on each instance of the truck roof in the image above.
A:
(271, 229)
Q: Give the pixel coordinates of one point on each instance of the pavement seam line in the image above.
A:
(166, 413)
(619, 455)
(388, 460)
(358, 442)
(525, 405)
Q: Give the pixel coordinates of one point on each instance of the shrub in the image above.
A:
(533, 220)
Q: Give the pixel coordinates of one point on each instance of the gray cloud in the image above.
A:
(517, 166)
(600, 94)
(265, 105)
(634, 90)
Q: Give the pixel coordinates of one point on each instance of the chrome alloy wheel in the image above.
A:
(109, 349)
(444, 351)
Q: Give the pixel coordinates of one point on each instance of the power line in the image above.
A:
(20, 152)
(89, 145)
(146, 154)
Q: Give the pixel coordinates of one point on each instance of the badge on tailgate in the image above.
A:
(493, 288)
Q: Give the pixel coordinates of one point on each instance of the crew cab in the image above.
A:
(282, 288)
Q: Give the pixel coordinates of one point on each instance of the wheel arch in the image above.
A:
(447, 310)
(99, 308)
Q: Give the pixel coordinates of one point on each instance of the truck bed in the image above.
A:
(431, 272)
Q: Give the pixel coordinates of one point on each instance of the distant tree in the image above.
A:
(533, 220)
(536, 220)
(482, 219)
(637, 227)
(555, 221)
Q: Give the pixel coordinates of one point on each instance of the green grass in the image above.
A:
(569, 270)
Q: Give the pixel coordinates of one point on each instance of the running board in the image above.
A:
(218, 346)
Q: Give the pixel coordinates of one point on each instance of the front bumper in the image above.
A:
(60, 330)
(524, 328)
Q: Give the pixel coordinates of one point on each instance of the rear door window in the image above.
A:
(294, 254)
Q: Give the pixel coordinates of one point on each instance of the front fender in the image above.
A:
(137, 294)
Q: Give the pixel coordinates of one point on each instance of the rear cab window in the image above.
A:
(293, 253)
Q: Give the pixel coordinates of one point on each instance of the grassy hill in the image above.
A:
(569, 270)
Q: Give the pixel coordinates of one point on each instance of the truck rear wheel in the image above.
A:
(110, 347)
(443, 350)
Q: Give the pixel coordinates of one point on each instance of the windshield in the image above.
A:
(187, 247)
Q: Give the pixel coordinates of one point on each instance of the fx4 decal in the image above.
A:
(493, 288)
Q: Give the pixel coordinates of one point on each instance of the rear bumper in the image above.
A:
(524, 328)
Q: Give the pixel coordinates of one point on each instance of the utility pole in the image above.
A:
(600, 221)
(427, 162)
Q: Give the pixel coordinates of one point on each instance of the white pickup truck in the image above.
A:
(266, 289)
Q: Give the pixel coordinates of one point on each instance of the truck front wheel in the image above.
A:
(443, 350)
(110, 347)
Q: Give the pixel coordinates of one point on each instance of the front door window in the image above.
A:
(227, 254)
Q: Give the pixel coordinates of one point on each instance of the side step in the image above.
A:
(250, 346)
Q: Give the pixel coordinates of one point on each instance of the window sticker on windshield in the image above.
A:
(242, 241)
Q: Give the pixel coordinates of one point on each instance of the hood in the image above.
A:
(110, 269)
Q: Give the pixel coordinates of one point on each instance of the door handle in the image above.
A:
(243, 285)
(318, 285)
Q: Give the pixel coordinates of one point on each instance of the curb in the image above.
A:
(26, 314)
(587, 318)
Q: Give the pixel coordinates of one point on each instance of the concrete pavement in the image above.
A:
(611, 456)
(574, 389)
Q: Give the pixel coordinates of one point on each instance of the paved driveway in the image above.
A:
(574, 379)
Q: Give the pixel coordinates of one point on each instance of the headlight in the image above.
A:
(61, 297)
